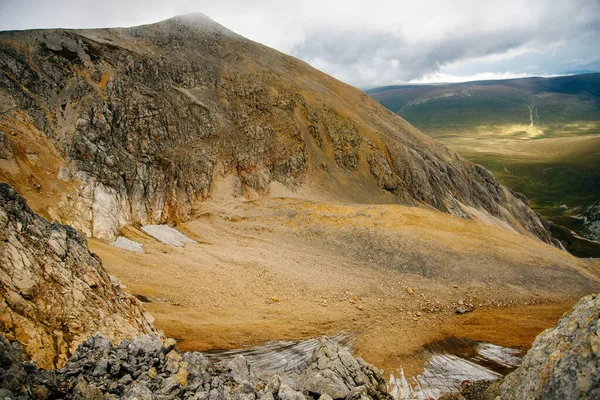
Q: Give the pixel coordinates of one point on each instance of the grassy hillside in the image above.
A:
(555, 106)
(539, 136)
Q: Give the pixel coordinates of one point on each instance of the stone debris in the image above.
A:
(463, 309)
(335, 372)
(471, 390)
(148, 368)
(287, 359)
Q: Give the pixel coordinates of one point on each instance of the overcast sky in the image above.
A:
(371, 43)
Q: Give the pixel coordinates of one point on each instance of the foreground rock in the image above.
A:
(333, 371)
(146, 368)
(564, 362)
(55, 293)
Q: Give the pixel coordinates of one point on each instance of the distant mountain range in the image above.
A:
(553, 105)
(539, 136)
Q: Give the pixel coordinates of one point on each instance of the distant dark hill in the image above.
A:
(539, 136)
(580, 83)
(566, 104)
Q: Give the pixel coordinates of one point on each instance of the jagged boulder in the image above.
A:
(335, 372)
(55, 293)
(564, 361)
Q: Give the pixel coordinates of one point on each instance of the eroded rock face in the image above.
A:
(55, 293)
(144, 118)
(148, 368)
(564, 361)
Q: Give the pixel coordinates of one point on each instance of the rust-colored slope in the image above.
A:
(288, 269)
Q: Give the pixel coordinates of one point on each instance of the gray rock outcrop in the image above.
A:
(148, 368)
(564, 361)
(335, 372)
(55, 293)
(591, 220)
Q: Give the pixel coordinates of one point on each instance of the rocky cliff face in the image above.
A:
(134, 125)
(564, 362)
(54, 292)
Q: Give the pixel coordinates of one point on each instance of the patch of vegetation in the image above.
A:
(520, 129)
(548, 185)
(454, 110)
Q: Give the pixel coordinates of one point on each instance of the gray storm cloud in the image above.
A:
(377, 57)
(370, 43)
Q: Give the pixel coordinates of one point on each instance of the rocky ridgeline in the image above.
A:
(55, 293)
(563, 363)
(146, 368)
(144, 118)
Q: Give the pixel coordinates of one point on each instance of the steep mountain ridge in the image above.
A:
(55, 293)
(114, 126)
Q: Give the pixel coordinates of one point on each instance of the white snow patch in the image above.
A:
(442, 373)
(502, 355)
(167, 235)
(128, 244)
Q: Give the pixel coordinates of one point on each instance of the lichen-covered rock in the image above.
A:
(144, 118)
(564, 361)
(55, 293)
(335, 372)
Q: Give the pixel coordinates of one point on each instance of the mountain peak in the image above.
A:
(198, 22)
(170, 104)
(192, 20)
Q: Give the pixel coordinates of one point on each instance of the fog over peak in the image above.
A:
(371, 43)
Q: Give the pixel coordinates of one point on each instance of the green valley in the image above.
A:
(539, 136)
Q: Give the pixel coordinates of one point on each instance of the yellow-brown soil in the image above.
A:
(288, 269)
